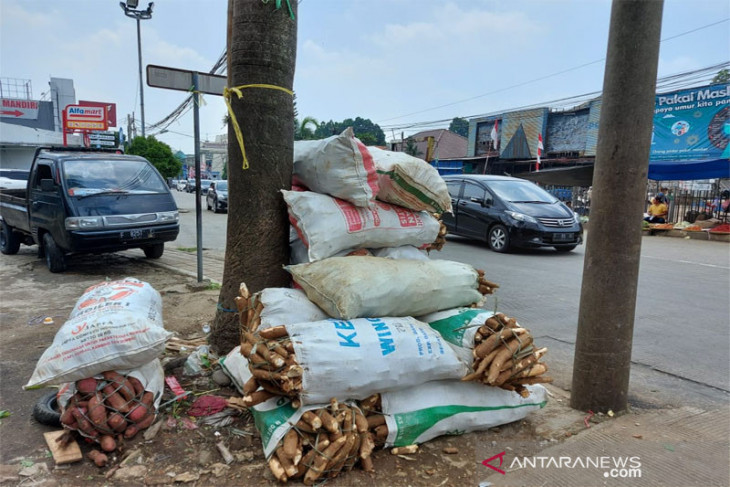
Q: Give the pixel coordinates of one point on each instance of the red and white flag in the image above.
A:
(494, 134)
(539, 151)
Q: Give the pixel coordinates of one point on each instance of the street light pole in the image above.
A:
(130, 11)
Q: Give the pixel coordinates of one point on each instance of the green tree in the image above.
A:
(303, 130)
(460, 126)
(368, 132)
(722, 76)
(412, 148)
(158, 153)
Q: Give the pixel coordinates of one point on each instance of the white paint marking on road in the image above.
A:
(686, 262)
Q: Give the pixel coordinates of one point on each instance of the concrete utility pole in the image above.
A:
(602, 361)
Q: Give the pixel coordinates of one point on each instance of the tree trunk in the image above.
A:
(261, 50)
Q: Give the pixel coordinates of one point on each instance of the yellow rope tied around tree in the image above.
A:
(236, 128)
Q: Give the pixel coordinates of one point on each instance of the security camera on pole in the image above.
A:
(130, 10)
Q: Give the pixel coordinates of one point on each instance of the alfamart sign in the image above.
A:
(692, 124)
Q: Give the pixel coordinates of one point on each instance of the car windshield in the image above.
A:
(521, 192)
(99, 176)
(221, 186)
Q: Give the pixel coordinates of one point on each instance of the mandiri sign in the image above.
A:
(692, 124)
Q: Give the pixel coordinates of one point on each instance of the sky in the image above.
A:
(395, 62)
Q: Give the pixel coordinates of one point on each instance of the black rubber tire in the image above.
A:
(9, 240)
(55, 260)
(498, 239)
(45, 411)
(154, 251)
(566, 249)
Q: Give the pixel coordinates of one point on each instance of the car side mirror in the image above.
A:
(487, 202)
(48, 185)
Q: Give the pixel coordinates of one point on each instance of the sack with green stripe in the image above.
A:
(418, 414)
(410, 182)
(457, 326)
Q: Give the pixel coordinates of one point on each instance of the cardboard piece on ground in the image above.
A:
(63, 454)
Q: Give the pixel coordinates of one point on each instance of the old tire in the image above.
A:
(9, 240)
(154, 251)
(55, 260)
(46, 412)
(498, 238)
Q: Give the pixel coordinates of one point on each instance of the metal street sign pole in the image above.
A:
(183, 80)
(198, 206)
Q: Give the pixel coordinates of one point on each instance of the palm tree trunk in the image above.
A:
(261, 50)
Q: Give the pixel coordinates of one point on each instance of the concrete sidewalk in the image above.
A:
(648, 447)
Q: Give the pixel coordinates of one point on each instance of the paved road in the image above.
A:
(681, 351)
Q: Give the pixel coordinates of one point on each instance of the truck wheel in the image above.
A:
(9, 240)
(55, 260)
(154, 251)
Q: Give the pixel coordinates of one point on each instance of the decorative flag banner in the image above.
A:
(494, 135)
(539, 151)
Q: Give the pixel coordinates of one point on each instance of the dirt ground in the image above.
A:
(179, 454)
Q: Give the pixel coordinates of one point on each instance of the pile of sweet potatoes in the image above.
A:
(109, 408)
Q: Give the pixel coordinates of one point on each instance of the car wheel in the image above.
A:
(9, 240)
(154, 251)
(498, 238)
(45, 411)
(566, 249)
(55, 260)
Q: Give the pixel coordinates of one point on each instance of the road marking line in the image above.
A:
(686, 262)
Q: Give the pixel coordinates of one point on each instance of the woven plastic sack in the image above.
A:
(352, 287)
(340, 166)
(328, 225)
(410, 182)
(114, 325)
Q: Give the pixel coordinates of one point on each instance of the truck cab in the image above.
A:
(84, 201)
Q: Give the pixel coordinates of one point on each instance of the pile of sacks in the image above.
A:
(373, 330)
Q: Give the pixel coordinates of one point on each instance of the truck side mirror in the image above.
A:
(48, 185)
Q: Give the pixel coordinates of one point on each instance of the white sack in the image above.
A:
(329, 225)
(115, 325)
(299, 254)
(410, 182)
(402, 252)
(284, 306)
(340, 166)
(458, 326)
(418, 414)
(351, 287)
(357, 358)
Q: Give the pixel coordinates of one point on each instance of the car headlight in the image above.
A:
(84, 222)
(521, 217)
(168, 216)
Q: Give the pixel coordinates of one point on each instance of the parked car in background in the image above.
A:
(217, 197)
(204, 186)
(510, 212)
(181, 185)
(190, 186)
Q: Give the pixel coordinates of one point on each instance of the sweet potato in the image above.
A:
(99, 459)
(87, 386)
(131, 430)
(146, 422)
(136, 385)
(67, 417)
(97, 412)
(107, 443)
(120, 383)
(138, 412)
(116, 422)
(114, 400)
(84, 424)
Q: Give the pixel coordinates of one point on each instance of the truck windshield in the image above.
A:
(99, 176)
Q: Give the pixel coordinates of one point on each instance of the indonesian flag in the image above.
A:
(493, 134)
(539, 151)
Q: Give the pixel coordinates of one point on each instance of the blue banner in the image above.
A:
(692, 124)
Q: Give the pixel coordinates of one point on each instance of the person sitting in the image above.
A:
(658, 210)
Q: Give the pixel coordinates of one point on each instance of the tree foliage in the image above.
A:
(412, 148)
(303, 130)
(460, 126)
(368, 132)
(722, 76)
(158, 153)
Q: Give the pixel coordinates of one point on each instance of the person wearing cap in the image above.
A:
(658, 210)
(662, 196)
